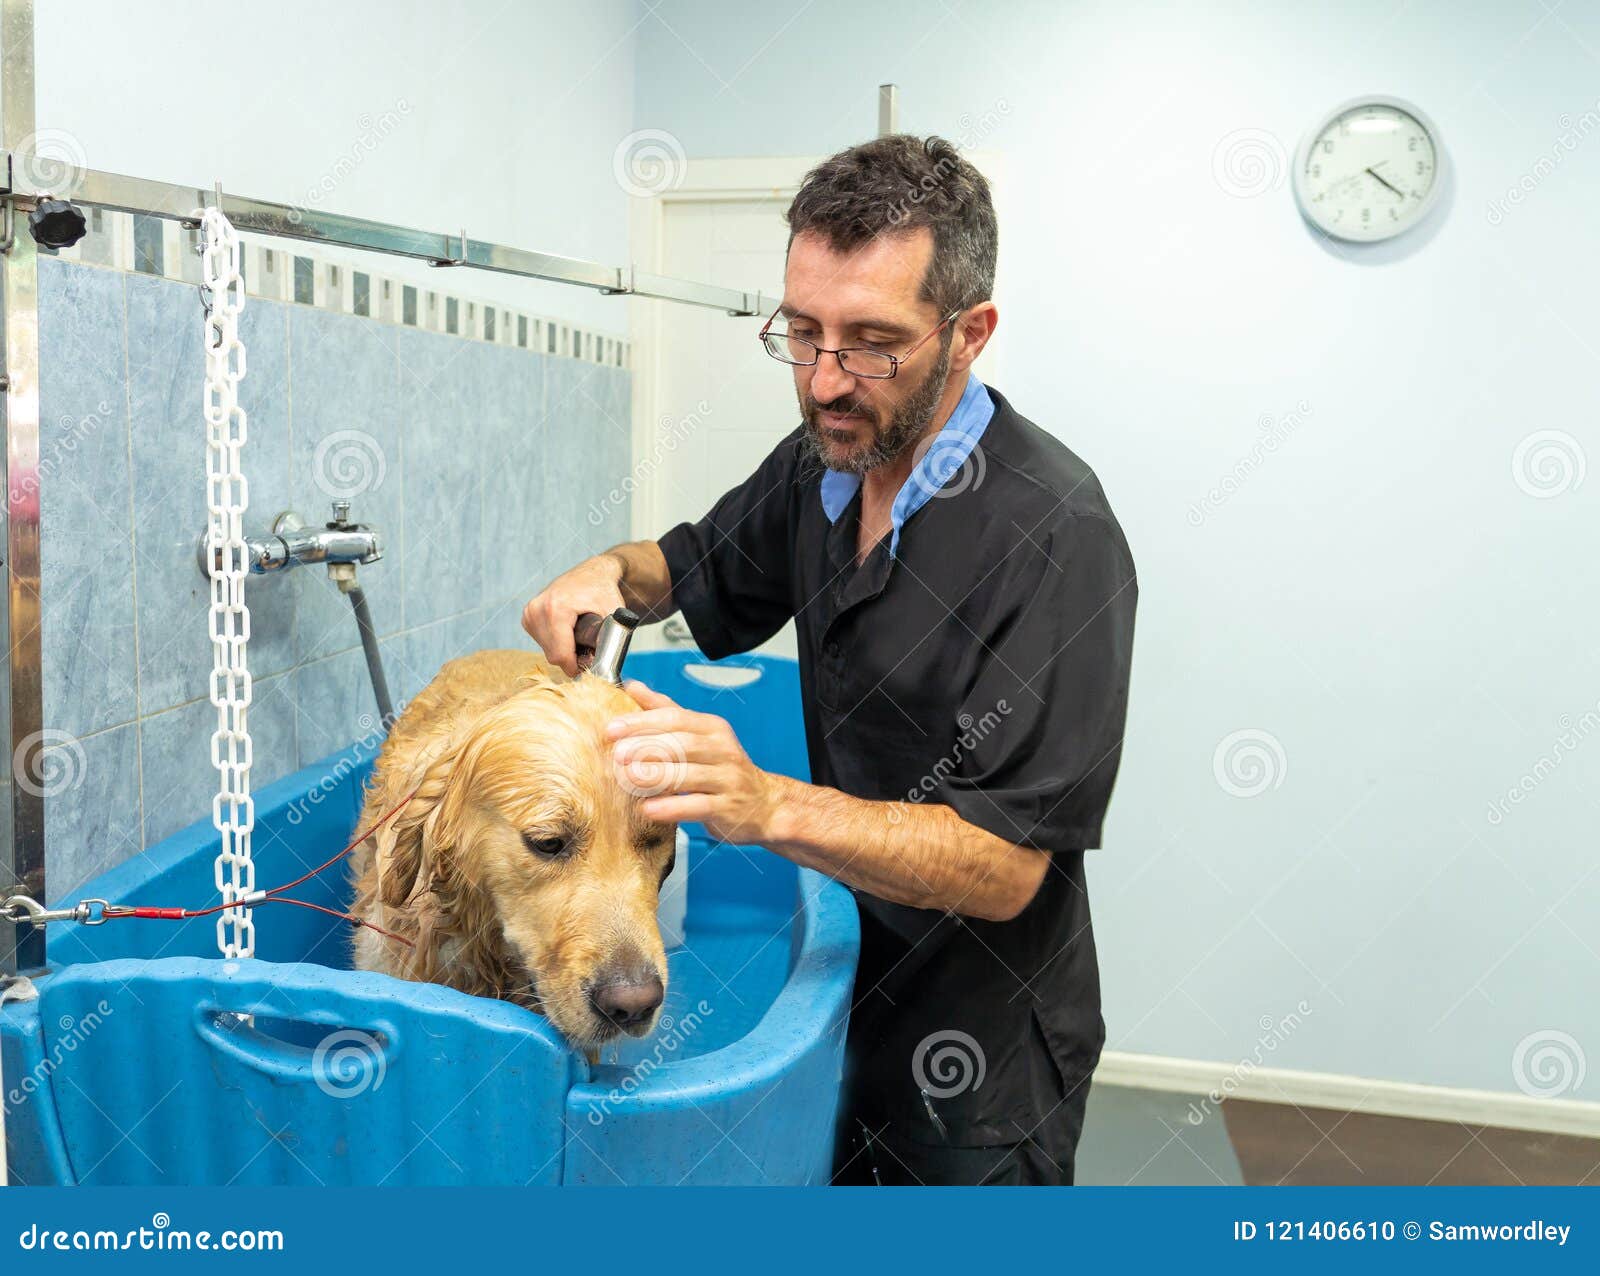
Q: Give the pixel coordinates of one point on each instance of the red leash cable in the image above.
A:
(274, 896)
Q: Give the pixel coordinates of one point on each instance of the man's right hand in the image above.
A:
(593, 585)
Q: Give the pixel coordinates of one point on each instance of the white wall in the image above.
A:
(1412, 628)
(505, 117)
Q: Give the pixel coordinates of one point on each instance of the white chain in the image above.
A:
(227, 495)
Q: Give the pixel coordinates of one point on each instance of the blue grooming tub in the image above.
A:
(141, 1058)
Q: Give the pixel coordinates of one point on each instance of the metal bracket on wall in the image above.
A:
(454, 261)
(10, 233)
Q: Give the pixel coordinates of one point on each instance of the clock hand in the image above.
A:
(1390, 185)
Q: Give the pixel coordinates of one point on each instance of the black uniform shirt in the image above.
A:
(983, 666)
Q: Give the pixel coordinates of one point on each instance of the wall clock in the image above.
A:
(1369, 170)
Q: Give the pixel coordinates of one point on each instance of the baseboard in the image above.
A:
(1201, 1077)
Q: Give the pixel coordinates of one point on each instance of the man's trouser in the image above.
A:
(872, 1153)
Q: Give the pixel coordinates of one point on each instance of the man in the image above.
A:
(964, 601)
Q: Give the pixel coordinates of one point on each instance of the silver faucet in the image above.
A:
(340, 544)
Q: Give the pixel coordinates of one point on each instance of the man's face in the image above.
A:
(867, 297)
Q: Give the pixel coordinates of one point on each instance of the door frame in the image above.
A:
(704, 181)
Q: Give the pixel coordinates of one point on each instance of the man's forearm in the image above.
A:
(643, 578)
(923, 855)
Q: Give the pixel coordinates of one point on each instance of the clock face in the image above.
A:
(1369, 171)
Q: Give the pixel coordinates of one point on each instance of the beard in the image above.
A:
(884, 442)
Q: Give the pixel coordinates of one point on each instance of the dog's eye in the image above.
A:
(546, 848)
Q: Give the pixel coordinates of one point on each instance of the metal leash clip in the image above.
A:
(88, 912)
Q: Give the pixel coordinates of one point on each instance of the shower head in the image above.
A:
(606, 642)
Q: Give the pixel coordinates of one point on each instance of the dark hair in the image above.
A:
(894, 184)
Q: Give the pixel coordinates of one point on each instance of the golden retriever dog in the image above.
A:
(520, 868)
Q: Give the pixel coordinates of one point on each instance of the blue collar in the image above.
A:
(943, 458)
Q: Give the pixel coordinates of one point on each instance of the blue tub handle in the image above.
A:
(342, 1060)
(724, 677)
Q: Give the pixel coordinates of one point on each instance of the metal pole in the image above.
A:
(888, 109)
(264, 217)
(22, 859)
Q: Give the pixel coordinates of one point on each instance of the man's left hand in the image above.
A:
(690, 766)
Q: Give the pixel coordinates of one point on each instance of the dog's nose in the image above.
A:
(628, 1001)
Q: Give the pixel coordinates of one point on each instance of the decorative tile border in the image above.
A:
(309, 276)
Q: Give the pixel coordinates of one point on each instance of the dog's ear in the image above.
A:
(405, 849)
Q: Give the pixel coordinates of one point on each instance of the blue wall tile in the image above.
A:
(179, 780)
(424, 651)
(333, 704)
(91, 807)
(487, 469)
(86, 570)
(445, 402)
(403, 682)
(264, 392)
(569, 413)
(166, 364)
(518, 556)
(346, 430)
(501, 626)
(588, 438)
(615, 468)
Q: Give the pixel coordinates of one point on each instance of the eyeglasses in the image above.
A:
(858, 361)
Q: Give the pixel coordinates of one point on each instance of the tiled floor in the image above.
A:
(1147, 1138)
(1150, 1137)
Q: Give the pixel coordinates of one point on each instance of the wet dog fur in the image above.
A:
(521, 868)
